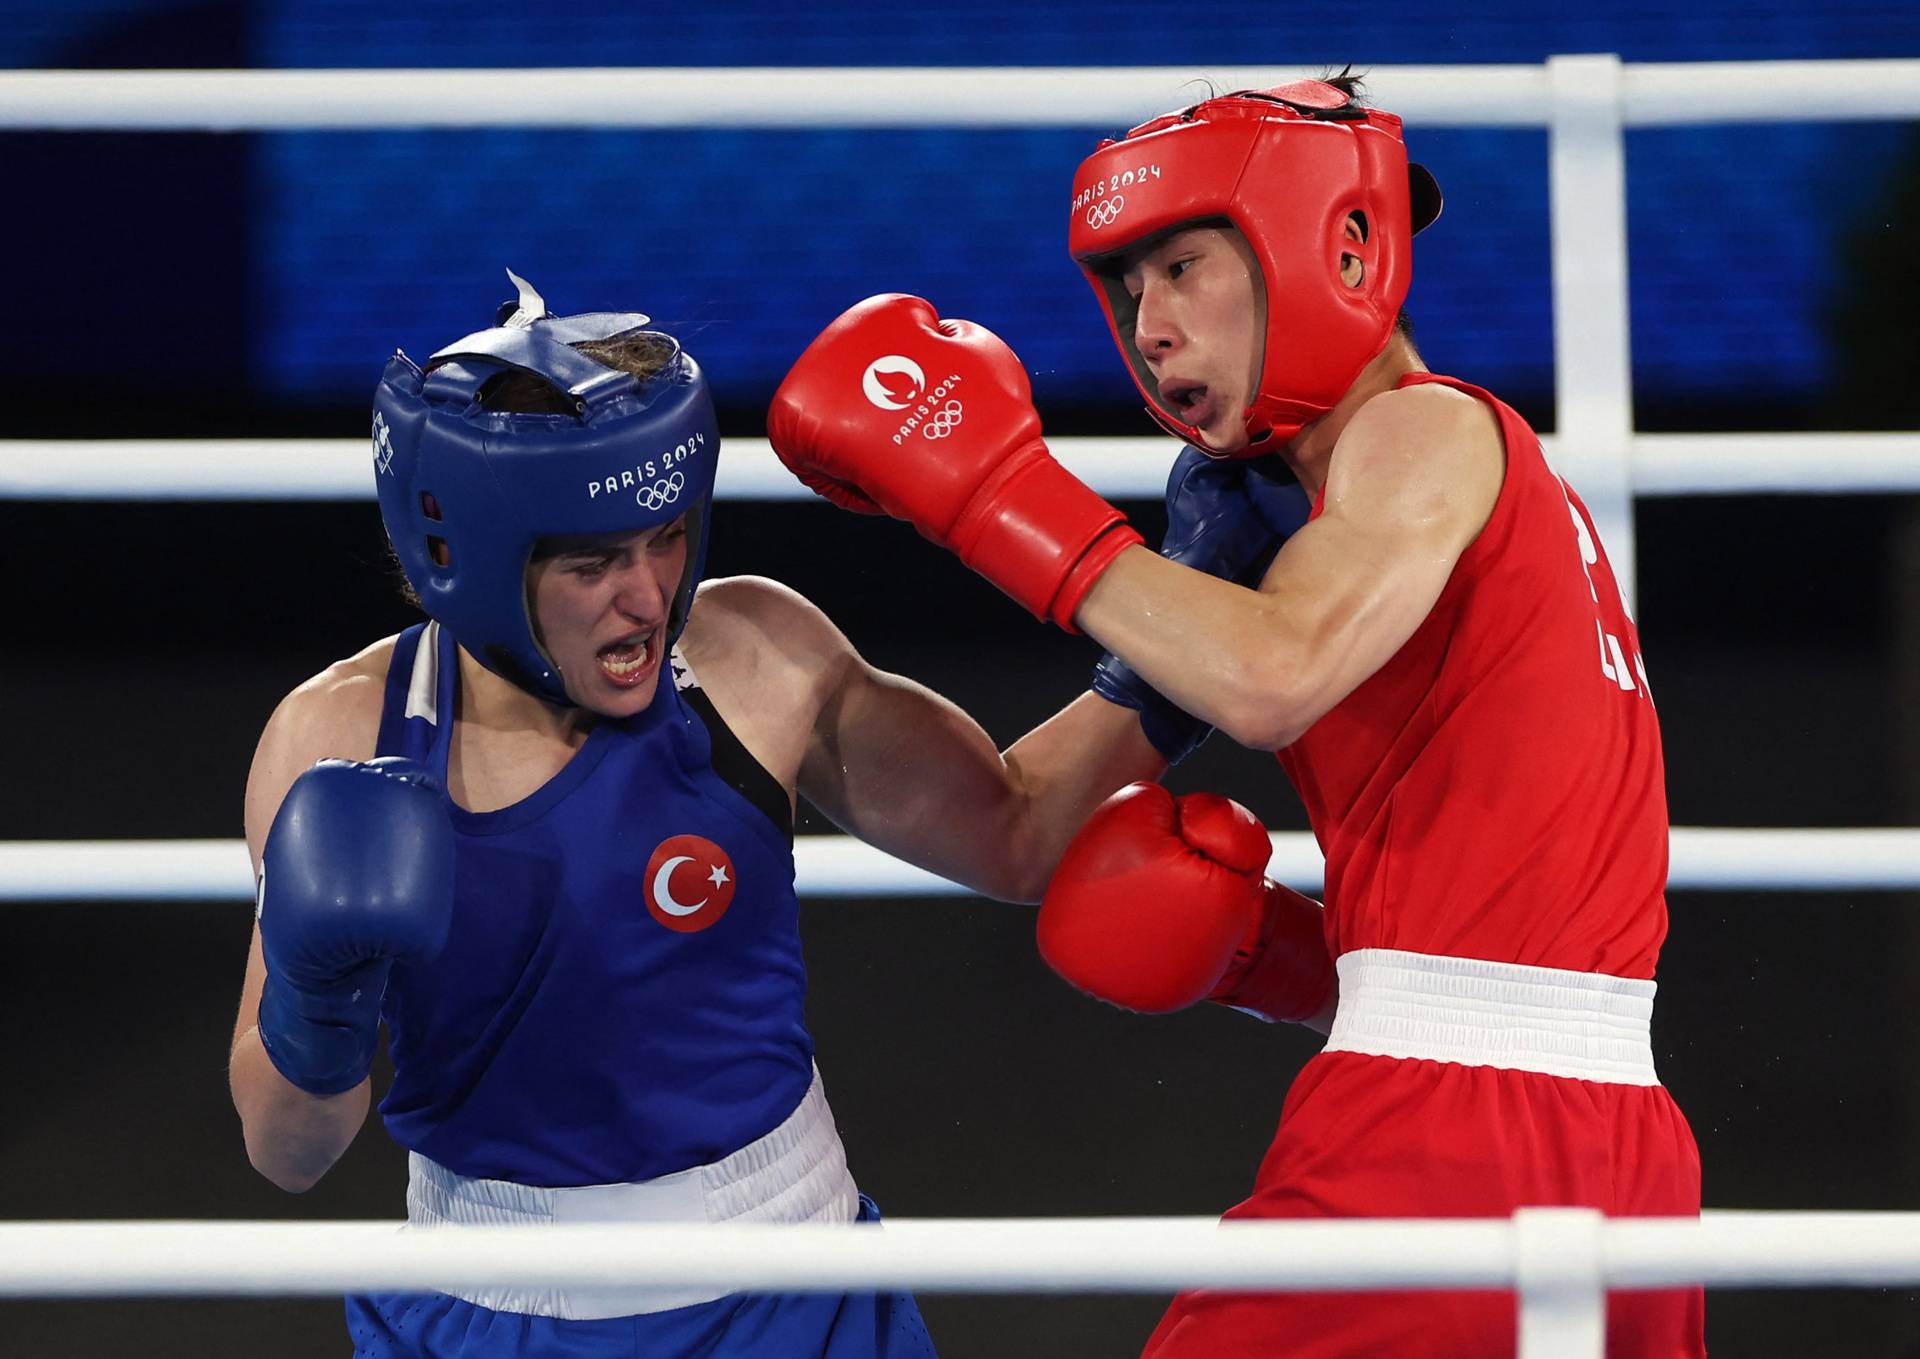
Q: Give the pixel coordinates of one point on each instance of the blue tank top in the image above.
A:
(621, 992)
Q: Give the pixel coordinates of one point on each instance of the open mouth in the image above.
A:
(1188, 400)
(629, 660)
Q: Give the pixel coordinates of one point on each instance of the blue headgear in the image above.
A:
(466, 492)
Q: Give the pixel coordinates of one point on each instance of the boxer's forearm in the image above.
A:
(1264, 665)
(1217, 650)
(1064, 769)
(909, 772)
(292, 1138)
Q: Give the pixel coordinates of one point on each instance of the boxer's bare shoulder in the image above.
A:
(752, 632)
(769, 660)
(341, 703)
(335, 714)
(1431, 425)
(1428, 456)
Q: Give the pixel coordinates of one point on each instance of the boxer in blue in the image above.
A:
(547, 837)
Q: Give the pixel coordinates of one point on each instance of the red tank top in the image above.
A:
(1496, 789)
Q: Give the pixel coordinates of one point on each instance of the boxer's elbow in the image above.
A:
(272, 1162)
(1262, 727)
(1020, 872)
(1264, 700)
(294, 1154)
(292, 1138)
(1029, 888)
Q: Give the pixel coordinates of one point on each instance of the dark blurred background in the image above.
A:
(251, 285)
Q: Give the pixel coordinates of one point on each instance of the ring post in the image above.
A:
(1592, 374)
(1559, 1274)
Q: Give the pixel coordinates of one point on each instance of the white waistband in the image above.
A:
(796, 1173)
(1582, 1025)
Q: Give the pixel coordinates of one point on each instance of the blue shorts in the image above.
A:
(739, 1326)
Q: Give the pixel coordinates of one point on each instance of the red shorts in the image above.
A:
(1384, 1136)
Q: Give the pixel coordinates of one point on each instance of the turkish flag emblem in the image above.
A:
(689, 883)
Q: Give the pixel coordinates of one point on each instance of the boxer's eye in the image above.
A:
(588, 567)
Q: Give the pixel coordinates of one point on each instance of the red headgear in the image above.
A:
(1286, 167)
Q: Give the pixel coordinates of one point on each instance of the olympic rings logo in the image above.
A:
(944, 421)
(1103, 213)
(661, 494)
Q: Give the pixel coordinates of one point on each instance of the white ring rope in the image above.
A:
(1560, 1261)
(1124, 468)
(1704, 859)
(1654, 94)
(997, 1255)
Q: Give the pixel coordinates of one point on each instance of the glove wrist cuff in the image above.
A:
(1282, 970)
(322, 1041)
(1034, 528)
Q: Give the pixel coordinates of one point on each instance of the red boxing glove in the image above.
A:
(1154, 898)
(1286, 973)
(892, 410)
(1160, 902)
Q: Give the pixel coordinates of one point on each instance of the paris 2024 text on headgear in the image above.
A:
(466, 492)
(1286, 167)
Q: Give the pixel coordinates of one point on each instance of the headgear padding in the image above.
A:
(466, 492)
(1286, 167)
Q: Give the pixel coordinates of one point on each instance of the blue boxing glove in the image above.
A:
(1226, 517)
(357, 872)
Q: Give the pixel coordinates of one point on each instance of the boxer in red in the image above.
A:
(1441, 659)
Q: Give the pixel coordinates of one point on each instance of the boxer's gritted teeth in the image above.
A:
(627, 643)
(628, 657)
